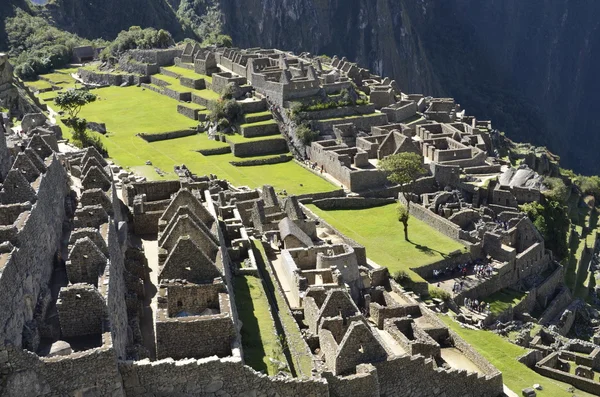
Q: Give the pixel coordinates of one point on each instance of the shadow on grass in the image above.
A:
(254, 351)
(428, 251)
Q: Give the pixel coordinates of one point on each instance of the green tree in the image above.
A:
(306, 134)
(403, 216)
(72, 101)
(404, 169)
(552, 221)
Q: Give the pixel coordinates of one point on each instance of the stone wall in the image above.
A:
(260, 147)
(154, 191)
(437, 222)
(81, 310)
(251, 131)
(363, 123)
(205, 377)
(31, 266)
(344, 203)
(337, 112)
(161, 57)
(195, 336)
(92, 372)
(270, 160)
(163, 136)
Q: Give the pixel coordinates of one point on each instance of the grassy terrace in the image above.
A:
(503, 355)
(188, 73)
(258, 123)
(353, 117)
(237, 138)
(128, 111)
(503, 299)
(259, 336)
(380, 232)
(174, 84)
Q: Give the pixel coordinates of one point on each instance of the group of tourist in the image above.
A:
(475, 305)
(458, 286)
(483, 270)
(313, 166)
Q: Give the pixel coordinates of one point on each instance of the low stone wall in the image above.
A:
(92, 371)
(362, 123)
(359, 250)
(251, 131)
(258, 148)
(348, 203)
(271, 160)
(308, 198)
(427, 270)
(162, 136)
(199, 100)
(215, 151)
(338, 112)
(584, 384)
(188, 112)
(253, 106)
(180, 96)
(208, 376)
(437, 222)
(196, 84)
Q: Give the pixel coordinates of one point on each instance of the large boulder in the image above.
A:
(31, 121)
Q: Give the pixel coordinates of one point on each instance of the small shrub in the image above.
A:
(401, 277)
(435, 292)
(228, 91)
(306, 134)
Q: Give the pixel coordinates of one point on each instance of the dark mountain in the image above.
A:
(530, 66)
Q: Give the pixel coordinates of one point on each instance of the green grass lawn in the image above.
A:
(38, 84)
(237, 138)
(353, 117)
(174, 84)
(128, 111)
(503, 299)
(188, 73)
(380, 232)
(503, 355)
(259, 123)
(259, 337)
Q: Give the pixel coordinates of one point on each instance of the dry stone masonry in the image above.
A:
(112, 285)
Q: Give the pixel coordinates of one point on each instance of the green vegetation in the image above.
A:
(302, 363)
(128, 111)
(136, 37)
(551, 219)
(503, 355)
(502, 300)
(346, 98)
(403, 169)
(71, 102)
(205, 19)
(36, 47)
(306, 134)
(378, 230)
(184, 72)
(259, 337)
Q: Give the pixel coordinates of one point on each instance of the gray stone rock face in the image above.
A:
(32, 120)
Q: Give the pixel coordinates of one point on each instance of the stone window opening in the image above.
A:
(179, 304)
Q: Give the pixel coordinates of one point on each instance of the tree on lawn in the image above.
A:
(71, 101)
(403, 169)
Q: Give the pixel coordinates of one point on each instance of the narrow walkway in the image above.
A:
(148, 319)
